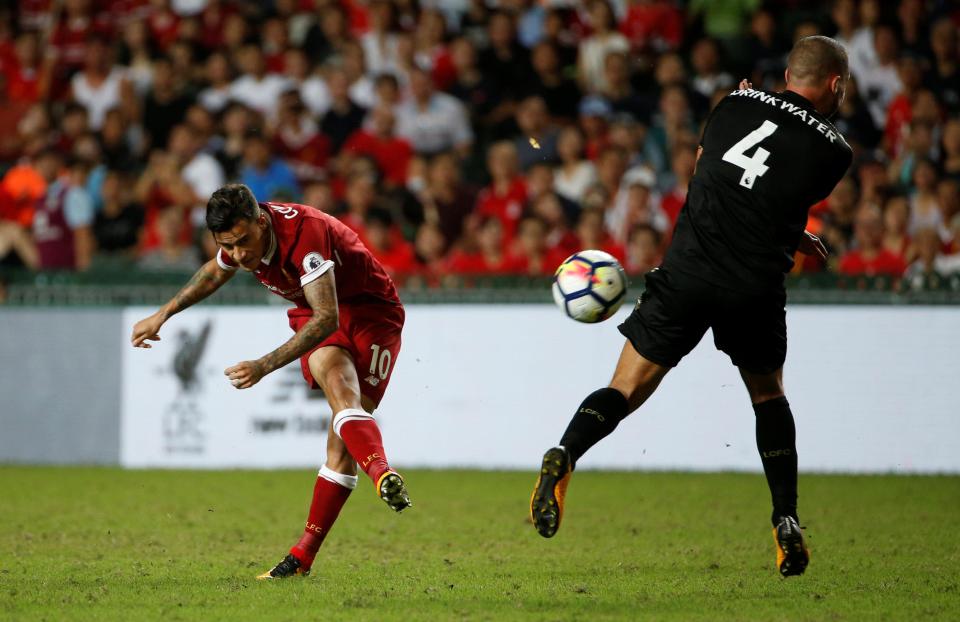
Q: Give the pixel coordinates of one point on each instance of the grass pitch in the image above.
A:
(184, 545)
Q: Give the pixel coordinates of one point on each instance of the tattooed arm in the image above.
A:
(321, 295)
(207, 280)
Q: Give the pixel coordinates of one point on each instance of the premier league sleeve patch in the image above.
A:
(312, 262)
(314, 266)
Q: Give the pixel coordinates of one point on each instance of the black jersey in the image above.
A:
(767, 158)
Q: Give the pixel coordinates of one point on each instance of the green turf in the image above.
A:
(185, 545)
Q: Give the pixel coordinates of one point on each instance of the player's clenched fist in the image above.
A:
(146, 329)
(244, 375)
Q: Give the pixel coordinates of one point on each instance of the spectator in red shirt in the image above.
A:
(69, 38)
(653, 25)
(431, 50)
(896, 217)
(386, 242)
(594, 114)
(507, 193)
(297, 138)
(531, 255)
(445, 199)
(838, 215)
(683, 163)
(429, 247)
(213, 18)
(643, 250)
(482, 251)
(163, 23)
(560, 240)
(74, 123)
(159, 188)
(591, 234)
(360, 195)
(869, 257)
(25, 78)
(899, 113)
(379, 141)
(274, 40)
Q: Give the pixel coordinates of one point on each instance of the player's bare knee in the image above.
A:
(627, 389)
(763, 387)
(637, 385)
(338, 457)
(340, 461)
(338, 383)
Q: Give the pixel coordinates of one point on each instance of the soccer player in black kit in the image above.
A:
(764, 159)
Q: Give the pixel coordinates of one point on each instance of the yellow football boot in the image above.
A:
(546, 503)
(792, 552)
(393, 491)
(289, 566)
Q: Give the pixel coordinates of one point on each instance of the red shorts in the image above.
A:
(370, 333)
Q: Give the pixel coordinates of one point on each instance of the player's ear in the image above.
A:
(786, 76)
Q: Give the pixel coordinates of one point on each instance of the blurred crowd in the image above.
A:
(455, 136)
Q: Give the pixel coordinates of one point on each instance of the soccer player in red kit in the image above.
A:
(347, 320)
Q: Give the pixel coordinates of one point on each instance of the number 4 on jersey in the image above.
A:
(753, 166)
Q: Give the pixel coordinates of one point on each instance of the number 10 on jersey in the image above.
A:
(753, 166)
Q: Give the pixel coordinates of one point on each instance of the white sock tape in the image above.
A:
(347, 481)
(349, 414)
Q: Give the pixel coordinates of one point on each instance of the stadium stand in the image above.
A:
(461, 140)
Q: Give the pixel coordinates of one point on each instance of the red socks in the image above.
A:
(361, 435)
(329, 494)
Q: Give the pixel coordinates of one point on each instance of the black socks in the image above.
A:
(777, 444)
(597, 417)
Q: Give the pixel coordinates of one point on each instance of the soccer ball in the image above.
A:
(589, 286)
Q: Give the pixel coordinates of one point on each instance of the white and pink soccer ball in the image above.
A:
(589, 286)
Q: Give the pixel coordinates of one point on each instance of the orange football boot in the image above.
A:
(792, 552)
(546, 503)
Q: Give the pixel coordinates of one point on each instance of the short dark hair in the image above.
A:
(386, 78)
(816, 58)
(229, 205)
(378, 216)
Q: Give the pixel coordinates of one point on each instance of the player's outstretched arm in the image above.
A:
(321, 294)
(207, 280)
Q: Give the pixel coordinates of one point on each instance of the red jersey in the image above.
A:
(304, 244)
(884, 262)
(475, 263)
(391, 154)
(507, 207)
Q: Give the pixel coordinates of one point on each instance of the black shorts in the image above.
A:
(676, 310)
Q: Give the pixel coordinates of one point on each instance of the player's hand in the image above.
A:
(147, 329)
(745, 84)
(811, 245)
(246, 374)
